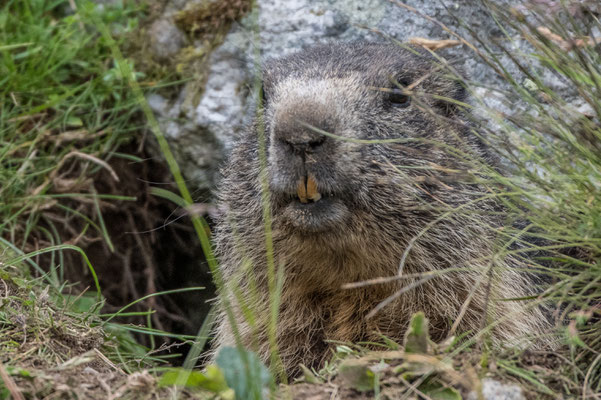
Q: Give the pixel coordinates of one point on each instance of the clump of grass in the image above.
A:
(68, 161)
(64, 110)
(55, 343)
(42, 330)
(551, 149)
(548, 137)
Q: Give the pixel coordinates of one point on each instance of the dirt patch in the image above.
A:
(49, 350)
(46, 351)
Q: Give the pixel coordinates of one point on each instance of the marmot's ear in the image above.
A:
(448, 83)
(266, 89)
(452, 89)
(457, 91)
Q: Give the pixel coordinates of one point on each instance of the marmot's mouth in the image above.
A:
(316, 216)
(312, 211)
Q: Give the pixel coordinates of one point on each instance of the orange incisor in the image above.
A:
(306, 190)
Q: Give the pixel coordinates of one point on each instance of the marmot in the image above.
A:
(358, 169)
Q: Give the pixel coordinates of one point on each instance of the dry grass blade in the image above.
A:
(396, 295)
(73, 136)
(92, 158)
(434, 45)
(451, 32)
(565, 44)
(585, 384)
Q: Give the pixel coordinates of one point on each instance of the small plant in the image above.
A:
(418, 369)
(238, 374)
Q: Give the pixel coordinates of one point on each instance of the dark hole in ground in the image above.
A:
(155, 249)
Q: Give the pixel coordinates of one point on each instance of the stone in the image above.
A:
(226, 102)
(166, 39)
(495, 390)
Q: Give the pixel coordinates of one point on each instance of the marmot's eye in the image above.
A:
(398, 98)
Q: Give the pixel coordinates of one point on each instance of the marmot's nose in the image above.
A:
(304, 144)
(299, 124)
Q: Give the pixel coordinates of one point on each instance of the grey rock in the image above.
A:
(223, 106)
(285, 26)
(495, 390)
(196, 148)
(166, 40)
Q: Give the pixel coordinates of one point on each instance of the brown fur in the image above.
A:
(373, 208)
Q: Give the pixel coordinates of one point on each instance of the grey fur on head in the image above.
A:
(346, 204)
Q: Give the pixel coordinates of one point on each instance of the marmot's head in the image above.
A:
(324, 106)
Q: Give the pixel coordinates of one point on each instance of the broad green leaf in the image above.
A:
(212, 379)
(244, 373)
(436, 391)
(416, 337)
